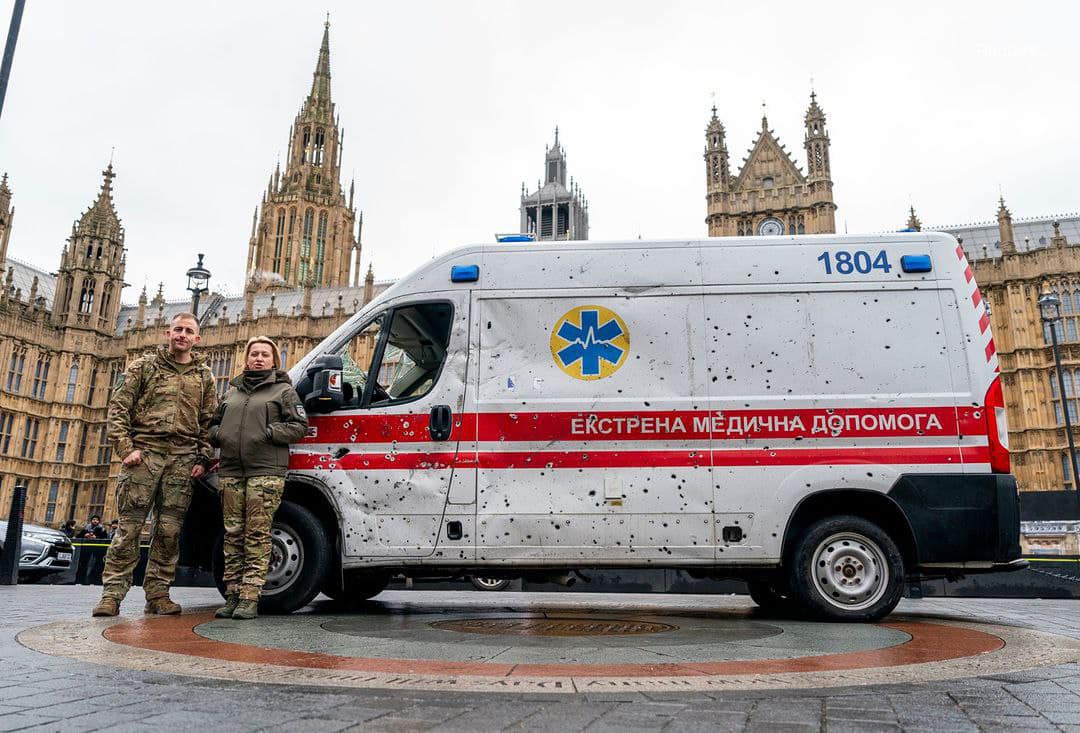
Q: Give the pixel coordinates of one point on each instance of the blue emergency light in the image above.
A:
(506, 238)
(916, 263)
(464, 273)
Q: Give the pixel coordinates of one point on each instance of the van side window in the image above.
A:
(356, 356)
(414, 352)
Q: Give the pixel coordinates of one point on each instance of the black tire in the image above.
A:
(769, 597)
(362, 585)
(846, 568)
(491, 584)
(294, 584)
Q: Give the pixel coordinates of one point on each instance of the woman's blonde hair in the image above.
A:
(263, 340)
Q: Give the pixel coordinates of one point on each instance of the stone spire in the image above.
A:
(369, 284)
(717, 166)
(816, 142)
(100, 220)
(1005, 229)
(913, 221)
(7, 215)
(318, 101)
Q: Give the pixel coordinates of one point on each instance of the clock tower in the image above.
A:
(770, 195)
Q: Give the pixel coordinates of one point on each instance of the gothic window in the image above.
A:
(819, 158)
(99, 251)
(73, 381)
(97, 500)
(802, 225)
(320, 248)
(7, 424)
(50, 507)
(1066, 302)
(93, 386)
(106, 300)
(303, 148)
(768, 182)
(104, 451)
(1070, 378)
(15, 371)
(715, 169)
(86, 298)
(221, 368)
(90, 250)
(284, 350)
(82, 442)
(320, 141)
(305, 244)
(41, 376)
(288, 241)
(278, 236)
(30, 437)
(62, 440)
(69, 287)
(73, 502)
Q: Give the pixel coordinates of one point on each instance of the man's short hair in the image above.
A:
(184, 314)
(95, 516)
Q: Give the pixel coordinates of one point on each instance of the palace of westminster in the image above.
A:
(65, 336)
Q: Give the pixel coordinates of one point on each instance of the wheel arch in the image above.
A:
(871, 505)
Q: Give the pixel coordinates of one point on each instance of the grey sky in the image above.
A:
(447, 107)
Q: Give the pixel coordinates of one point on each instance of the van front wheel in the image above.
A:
(299, 556)
(847, 568)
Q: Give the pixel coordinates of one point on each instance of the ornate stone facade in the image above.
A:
(770, 194)
(1014, 262)
(304, 233)
(64, 338)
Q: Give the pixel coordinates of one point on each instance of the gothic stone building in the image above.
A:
(555, 210)
(64, 336)
(1014, 263)
(769, 195)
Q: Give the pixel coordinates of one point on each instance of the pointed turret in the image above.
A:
(91, 273)
(369, 284)
(717, 166)
(140, 314)
(1005, 229)
(913, 222)
(816, 142)
(7, 216)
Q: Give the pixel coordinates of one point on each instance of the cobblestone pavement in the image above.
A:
(38, 692)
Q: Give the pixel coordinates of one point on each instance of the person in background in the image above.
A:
(69, 529)
(258, 418)
(113, 526)
(91, 552)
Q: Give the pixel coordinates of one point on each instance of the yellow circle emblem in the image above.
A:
(590, 342)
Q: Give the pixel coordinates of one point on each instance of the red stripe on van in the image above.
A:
(959, 252)
(543, 460)
(587, 426)
(990, 350)
(968, 274)
(976, 298)
(984, 322)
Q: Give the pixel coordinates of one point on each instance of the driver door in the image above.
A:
(393, 443)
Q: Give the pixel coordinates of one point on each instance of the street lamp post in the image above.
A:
(197, 278)
(1050, 312)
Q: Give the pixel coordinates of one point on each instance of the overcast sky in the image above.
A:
(447, 107)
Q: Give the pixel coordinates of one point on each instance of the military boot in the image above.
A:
(226, 611)
(162, 605)
(107, 606)
(246, 609)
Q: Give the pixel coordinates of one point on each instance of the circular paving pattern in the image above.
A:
(562, 648)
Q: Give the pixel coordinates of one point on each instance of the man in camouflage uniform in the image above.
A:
(158, 418)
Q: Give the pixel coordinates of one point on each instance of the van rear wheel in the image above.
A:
(847, 568)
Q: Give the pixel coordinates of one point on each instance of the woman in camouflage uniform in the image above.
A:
(258, 418)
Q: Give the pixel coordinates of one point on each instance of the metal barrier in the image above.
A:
(9, 558)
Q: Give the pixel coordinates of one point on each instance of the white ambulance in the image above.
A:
(821, 416)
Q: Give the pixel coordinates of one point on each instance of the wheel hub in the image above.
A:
(851, 570)
(286, 559)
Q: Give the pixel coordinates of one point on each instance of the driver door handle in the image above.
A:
(441, 422)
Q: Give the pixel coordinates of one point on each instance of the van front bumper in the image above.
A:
(964, 522)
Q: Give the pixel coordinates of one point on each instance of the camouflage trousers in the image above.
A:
(161, 484)
(248, 506)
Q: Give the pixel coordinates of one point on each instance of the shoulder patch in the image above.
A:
(300, 411)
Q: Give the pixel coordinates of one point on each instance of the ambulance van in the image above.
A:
(821, 416)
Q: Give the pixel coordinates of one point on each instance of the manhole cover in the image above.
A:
(552, 626)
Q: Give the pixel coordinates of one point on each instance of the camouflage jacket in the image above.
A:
(163, 406)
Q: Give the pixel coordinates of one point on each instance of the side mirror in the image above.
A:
(320, 389)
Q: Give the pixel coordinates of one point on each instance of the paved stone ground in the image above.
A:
(38, 692)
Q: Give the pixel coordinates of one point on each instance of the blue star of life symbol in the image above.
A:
(590, 343)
